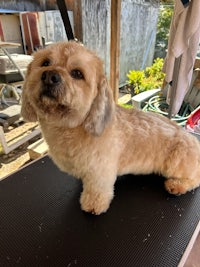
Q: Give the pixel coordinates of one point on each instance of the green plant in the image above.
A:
(150, 78)
(135, 79)
(163, 24)
(156, 70)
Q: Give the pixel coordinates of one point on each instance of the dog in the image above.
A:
(92, 138)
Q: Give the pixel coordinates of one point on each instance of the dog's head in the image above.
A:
(65, 85)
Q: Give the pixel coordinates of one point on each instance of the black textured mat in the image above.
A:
(41, 223)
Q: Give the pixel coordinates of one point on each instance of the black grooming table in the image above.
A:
(41, 223)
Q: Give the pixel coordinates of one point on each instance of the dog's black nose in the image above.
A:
(50, 78)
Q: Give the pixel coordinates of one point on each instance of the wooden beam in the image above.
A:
(69, 4)
(7, 148)
(115, 46)
(77, 13)
(37, 149)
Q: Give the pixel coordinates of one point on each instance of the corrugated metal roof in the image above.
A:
(8, 11)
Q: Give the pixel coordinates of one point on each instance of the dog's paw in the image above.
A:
(177, 186)
(95, 202)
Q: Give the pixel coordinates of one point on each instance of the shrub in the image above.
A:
(163, 25)
(135, 79)
(150, 78)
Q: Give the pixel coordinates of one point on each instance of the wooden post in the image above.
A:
(115, 46)
(69, 4)
(77, 9)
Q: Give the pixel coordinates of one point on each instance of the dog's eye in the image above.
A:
(46, 63)
(77, 74)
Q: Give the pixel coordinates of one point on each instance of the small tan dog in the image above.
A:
(95, 140)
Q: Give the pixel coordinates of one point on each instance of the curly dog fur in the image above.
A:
(92, 138)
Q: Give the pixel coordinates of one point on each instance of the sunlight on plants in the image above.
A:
(150, 78)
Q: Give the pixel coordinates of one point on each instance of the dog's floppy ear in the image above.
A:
(101, 110)
(27, 110)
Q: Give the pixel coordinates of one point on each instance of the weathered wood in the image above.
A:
(137, 32)
(30, 31)
(37, 149)
(55, 30)
(70, 4)
(77, 13)
(11, 33)
(124, 99)
(115, 46)
(9, 145)
(30, 5)
(96, 28)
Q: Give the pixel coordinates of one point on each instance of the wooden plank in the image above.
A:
(9, 44)
(55, 27)
(124, 99)
(77, 12)
(1, 31)
(42, 26)
(38, 149)
(115, 46)
(31, 32)
(70, 4)
(3, 140)
(13, 62)
(11, 33)
(50, 37)
(7, 148)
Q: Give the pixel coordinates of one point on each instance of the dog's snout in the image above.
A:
(50, 78)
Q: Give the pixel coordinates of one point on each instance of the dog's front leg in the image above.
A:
(97, 194)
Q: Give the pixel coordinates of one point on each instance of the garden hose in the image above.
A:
(158, 104)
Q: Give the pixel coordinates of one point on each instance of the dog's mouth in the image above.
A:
(48, 104)
(49, 92)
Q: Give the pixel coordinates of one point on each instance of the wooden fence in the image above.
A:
(92, 21)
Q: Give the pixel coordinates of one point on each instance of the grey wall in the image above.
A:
(138, 32)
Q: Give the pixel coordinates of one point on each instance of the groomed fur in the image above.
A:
(95, 140)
